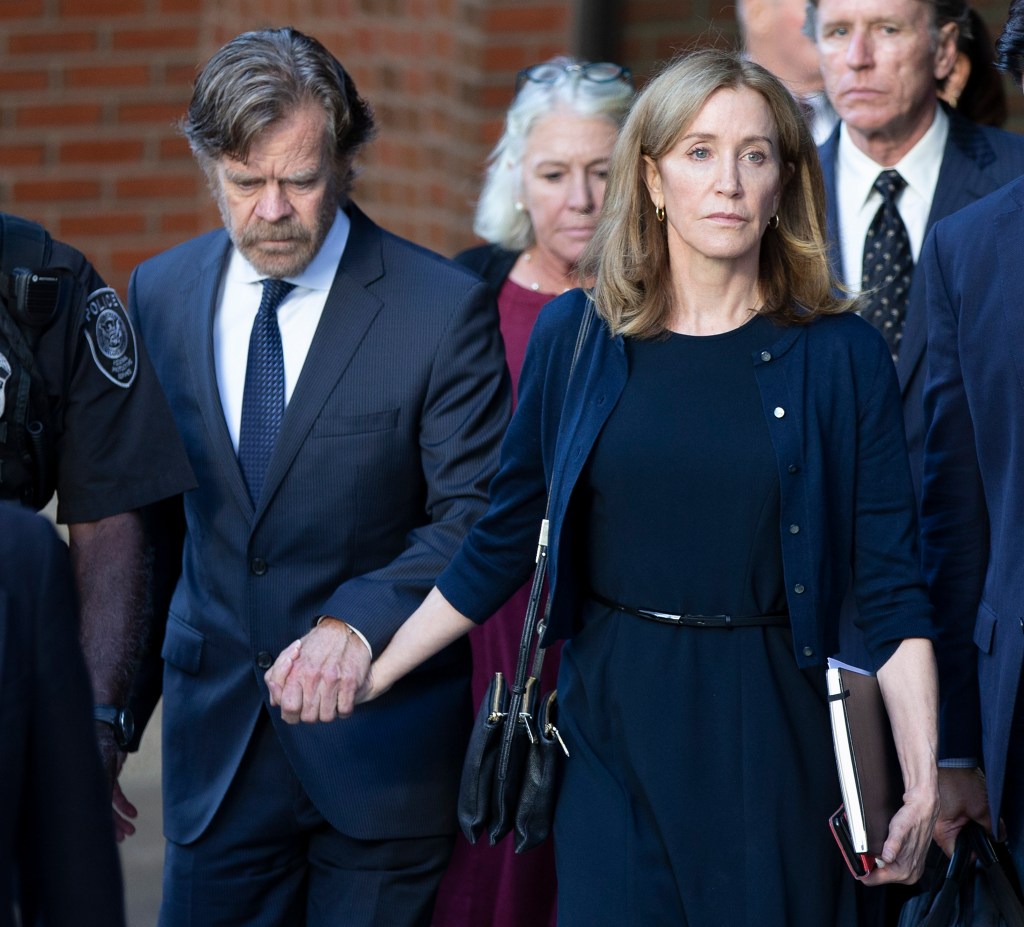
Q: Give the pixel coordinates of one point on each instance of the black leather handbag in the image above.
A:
(974, 890)
(512, 769)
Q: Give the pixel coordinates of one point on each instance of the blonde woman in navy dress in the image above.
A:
(729, 446)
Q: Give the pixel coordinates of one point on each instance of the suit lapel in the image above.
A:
(828, 152)
(198, 298)
(964, 176)
(1010, 227)
(963, 179)
(348, 313)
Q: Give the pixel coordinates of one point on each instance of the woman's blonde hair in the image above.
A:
(628, 255)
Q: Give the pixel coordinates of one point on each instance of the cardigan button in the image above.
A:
(779, 412)
(766, 356)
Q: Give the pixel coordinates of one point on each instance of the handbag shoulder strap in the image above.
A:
(530, 624)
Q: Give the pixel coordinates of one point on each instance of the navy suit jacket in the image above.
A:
(829, 395)
(977, 161)
(382, 464)
(974, 473)
(56, 829)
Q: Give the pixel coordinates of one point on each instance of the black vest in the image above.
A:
(32, 294)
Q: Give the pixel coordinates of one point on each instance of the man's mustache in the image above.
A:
(261, 231)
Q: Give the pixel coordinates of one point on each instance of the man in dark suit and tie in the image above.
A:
(898, 162)
(341, 394)
(58, 859)
(973, 503)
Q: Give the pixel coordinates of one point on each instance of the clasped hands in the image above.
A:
(321, 676)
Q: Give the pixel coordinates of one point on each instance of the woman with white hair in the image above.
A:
(537, 210)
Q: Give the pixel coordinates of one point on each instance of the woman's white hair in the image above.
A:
(497, 219)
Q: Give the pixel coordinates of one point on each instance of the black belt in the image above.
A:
(698, 621)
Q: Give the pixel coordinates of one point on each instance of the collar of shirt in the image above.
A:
(298, 317)
(858, 201)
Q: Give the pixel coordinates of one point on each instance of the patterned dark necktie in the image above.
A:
(263, 399)
(888, 264)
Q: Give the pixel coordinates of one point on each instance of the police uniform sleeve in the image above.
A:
(116, 443)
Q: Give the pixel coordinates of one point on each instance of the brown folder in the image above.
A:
(869, 769)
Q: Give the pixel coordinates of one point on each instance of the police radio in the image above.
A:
(36, 297)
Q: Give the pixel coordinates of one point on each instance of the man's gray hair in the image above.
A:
(497, 219)
(259, 79)
(943, 11)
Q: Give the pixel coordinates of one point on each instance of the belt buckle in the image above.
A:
(661, 616)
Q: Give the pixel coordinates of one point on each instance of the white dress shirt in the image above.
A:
(858, 201)
(238, 302)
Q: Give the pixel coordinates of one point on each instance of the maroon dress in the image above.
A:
(489, 886)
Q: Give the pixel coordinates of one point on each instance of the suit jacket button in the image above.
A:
(808, 651)
(766, 356)
(799, 588)
(258, 566)
(264, 660)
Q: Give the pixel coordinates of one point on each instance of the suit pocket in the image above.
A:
(183, 646)
(985, 629)
(332, 424)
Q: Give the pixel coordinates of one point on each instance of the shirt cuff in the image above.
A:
(959, 762)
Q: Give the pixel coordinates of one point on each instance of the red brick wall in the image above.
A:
(90, 91)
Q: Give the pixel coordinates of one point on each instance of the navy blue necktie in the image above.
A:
(888, 264)
(263, 399)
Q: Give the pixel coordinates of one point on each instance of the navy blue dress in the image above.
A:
(720, 818)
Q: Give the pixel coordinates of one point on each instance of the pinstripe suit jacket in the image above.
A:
(385, 452)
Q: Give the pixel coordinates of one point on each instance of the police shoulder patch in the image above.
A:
(111, 338)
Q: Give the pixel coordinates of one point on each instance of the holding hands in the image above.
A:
(321, 676)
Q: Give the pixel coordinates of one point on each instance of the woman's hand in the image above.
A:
(909, 685)
(910, 835)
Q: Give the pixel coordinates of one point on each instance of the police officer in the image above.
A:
(81, 413)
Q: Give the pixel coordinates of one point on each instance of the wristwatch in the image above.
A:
(120, 719)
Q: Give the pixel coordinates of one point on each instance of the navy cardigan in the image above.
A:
(831, 400)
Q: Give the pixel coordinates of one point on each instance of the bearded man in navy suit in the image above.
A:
(882, 62)
(971, 513)
(341, 394)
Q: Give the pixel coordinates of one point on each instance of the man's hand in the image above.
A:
(113, 759)
(321, 676)
(963, 797)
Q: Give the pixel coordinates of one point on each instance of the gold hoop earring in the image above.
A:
(773, 222)
(659, 213)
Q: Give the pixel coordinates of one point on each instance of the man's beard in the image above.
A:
(304, 242)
